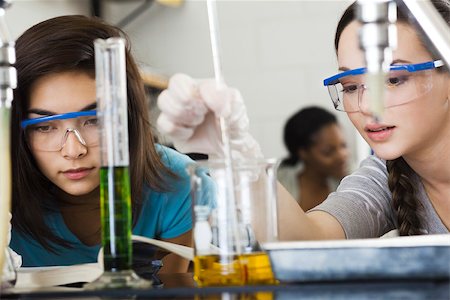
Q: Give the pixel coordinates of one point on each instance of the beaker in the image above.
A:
(228, 232)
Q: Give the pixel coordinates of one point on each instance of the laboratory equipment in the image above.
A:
(115, 198)
(378, 39)
(423, 258)
(224, 256)
(8, 81)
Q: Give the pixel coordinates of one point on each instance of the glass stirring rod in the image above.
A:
(218, 76)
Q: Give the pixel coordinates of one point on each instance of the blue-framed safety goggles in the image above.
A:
(65, 116)
(50, 133)
(403, 84)
(410, 68)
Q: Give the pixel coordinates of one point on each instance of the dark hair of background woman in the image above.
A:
(66, 44)
(300, 129)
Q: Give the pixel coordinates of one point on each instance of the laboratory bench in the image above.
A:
(181, 286)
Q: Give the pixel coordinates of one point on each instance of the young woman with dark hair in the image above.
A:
(405, 185)
(56, 200)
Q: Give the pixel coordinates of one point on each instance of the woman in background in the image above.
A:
(317, 158)
(56, 155)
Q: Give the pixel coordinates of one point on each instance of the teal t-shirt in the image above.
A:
(163, 215)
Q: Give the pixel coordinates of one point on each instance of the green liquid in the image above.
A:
(115, 201)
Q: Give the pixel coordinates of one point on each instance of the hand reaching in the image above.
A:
(190, 112)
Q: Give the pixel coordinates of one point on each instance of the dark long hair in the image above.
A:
(300, 129)
(401, 177)
(66, 44)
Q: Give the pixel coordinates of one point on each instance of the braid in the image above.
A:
(404, 200)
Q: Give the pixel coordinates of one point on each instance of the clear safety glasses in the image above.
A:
(50, 133)
(404, 83)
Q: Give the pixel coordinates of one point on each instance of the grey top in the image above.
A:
(362, 203)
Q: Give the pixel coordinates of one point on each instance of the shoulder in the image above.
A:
(167, 214)
(371, 178)
(373, 161)
(173, 160)
(371, 169)
(287, 176)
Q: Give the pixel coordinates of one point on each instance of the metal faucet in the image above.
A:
(8, 74)
(378, 38)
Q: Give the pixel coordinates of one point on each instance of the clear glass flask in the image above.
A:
(227, 235)
(115, 195)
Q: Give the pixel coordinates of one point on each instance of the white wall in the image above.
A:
(276, 52)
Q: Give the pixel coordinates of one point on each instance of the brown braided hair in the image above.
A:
(404, 200)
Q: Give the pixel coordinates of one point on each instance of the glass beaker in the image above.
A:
(228, 232)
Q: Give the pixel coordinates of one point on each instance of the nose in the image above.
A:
(363, 100)
(73, 145)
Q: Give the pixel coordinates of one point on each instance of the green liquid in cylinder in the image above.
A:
(115, 198)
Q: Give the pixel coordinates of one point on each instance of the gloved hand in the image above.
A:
(190, 112)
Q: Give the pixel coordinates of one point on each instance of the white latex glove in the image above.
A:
(190, 112)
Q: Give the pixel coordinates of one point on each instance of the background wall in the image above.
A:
(276, 52)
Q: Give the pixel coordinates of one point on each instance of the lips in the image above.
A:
(379, 133)
(77, 174)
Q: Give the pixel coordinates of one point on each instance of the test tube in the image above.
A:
(115, 198)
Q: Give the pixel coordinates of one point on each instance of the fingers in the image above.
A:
(181, 103)
(217, 99)
(167, 126)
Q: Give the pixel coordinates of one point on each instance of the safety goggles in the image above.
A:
(50, 133)
(404, 83)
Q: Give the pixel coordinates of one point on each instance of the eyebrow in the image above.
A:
(397, 61)
(44, 112)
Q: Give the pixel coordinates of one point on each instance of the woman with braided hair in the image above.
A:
(404, 186)
(414, 155)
